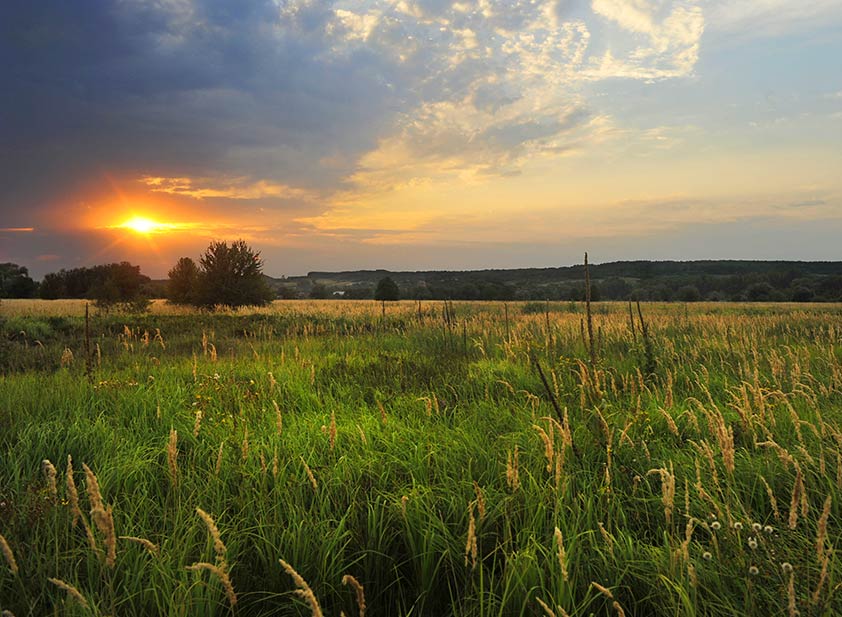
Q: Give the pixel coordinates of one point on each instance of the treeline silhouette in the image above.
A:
(753, 281)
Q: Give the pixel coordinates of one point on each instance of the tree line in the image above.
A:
(232, 275)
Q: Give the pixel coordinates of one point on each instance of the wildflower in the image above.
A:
(707, 556)
(768, 529)
(753, 571)
(786, 567)
(752, 543)
(715, 525)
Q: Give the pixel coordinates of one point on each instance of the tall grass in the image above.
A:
(318, 458)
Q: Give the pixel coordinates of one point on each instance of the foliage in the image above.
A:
(319, 292)
(15, 282)
(230, 276)
(645, 280)
(183, 282)
(387, 289)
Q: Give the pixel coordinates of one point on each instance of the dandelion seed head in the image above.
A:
(707, 556)
(768, 529)
(752, 543)
(738, 526)
(715, 525)
(753, 571)
(786, 567)
(756, 526)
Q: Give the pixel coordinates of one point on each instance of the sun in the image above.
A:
(143, 225)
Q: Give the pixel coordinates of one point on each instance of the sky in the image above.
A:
(419, 134)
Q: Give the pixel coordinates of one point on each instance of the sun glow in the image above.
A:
(143, 225)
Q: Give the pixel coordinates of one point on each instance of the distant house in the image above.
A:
(338, 294)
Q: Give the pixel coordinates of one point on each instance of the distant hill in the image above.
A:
(619, 280)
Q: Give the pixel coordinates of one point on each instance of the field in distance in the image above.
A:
(430, 459)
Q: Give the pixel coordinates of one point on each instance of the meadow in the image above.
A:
(465, 459)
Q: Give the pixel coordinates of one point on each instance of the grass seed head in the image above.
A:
(8, 555)
(303, 591)
(50, 475)
(72, 592)
(358, 590)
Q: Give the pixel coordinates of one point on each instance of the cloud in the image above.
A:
(753, 18)
(670, 39)
(268, 91)
(221, 188)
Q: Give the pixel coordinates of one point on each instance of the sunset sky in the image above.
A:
(419, 134)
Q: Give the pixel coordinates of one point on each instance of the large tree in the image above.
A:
(15, 282)
(387, 289)
(231, 276)
(183, 282)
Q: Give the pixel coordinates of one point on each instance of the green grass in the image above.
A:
(424, 412)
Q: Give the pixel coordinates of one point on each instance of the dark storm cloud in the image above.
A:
(178, 88)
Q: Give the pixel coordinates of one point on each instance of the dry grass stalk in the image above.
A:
(790, 593)
(218, 466)
(562, 555)
(822, 531)
(797, 491)
(603, 590)
(50, 475)
(8, 555)
(382, 412)
(66, 358)
(549, 449)
(471, 544)
(822, 576)
(72, 592)
(72, 493)
(102, 516)
(244, 447)
(512, 473)
(667, 490)
(480, 500)
(310, 475)
(772, 501)
(609, 541)
(547, 610)
(147, 544)
(218, 545)
(670, 422)
(303, 591)
(279, 418)
(197, 423)
(221, 574)
(172, 456)
(332, 430)
(358, 590)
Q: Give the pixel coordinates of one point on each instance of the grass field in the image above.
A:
(248, 462)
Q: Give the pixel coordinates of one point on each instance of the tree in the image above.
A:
(183, 283)
(231, 276)
(688, 293)
(318, 292)
(387, 289)
(15, 282)
(117, 285)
